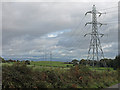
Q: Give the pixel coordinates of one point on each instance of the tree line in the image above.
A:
(114, 63)
(27, 62)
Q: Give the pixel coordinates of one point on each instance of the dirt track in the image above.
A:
(115, 86)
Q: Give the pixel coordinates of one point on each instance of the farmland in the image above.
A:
(50, 64)
(46, 65)
(39, 65)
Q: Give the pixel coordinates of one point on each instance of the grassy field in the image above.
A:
(50, 64)
(46, 65)
(55, 64)
(7, 64)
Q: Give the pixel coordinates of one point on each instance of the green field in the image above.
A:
(46, 65)
(55, 64)
(50, 64)
(7, 64)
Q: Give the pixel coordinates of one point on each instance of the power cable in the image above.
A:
(74, 30)
(108, 8)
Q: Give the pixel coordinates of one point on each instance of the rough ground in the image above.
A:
(114, 87)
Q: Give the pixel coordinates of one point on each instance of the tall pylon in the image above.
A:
(95, 44)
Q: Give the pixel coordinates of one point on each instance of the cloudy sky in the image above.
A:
(33, 30)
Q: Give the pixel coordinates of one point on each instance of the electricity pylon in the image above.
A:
(50, 55)
(95, 44)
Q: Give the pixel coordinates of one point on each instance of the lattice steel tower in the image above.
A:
(96, 53)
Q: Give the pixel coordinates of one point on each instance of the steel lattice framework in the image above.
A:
(96, 53)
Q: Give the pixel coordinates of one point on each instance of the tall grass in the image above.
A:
(22, 76)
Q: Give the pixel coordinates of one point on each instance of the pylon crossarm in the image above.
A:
(88, 12)
(98, 34)
(101, 35)
(100, 13)
(88, 23)
(87, 34)
(101, 24)
(94, 34)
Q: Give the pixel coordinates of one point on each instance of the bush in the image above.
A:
(16, 76)
(21, 76)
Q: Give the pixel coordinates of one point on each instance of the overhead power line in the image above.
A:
(74, 31)
(109, 8)
(112, 11)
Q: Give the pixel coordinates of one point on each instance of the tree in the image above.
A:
(116, 62)
(83, 62)
(75, 62)
(27, 62)
(2, 60)
(103, 62)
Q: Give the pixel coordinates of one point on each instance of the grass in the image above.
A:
(101, 68)
(50, 64)
(10, 64)
(56, 64)
(46, 65)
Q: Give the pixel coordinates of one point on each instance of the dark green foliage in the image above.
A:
(83, 62)
(27, 62)
(2, 60)
(116, 63)
(20, 76)
(16, 73)
(75, 62)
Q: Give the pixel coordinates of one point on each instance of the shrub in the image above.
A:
(21, 76)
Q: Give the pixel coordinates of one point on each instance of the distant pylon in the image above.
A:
(50, 55)
(95, 44)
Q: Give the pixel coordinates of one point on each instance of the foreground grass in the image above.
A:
(22, 76)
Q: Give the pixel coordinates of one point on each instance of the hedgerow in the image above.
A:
(21, 76)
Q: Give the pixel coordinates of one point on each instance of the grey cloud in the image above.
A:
(24, 25)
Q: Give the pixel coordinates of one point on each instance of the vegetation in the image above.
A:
(47, 74)
(113, 63)
(50, 64)
(22, 76)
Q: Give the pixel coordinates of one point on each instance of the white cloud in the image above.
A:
(107, 46)
(52, 35)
